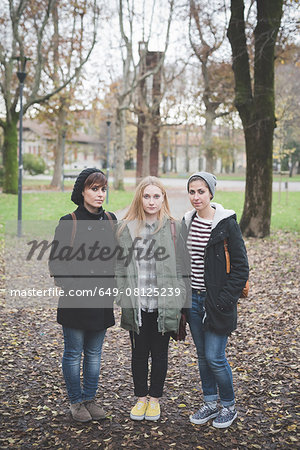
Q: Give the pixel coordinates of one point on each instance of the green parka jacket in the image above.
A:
(169, 278)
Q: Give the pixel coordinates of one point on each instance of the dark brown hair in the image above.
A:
(95, 178)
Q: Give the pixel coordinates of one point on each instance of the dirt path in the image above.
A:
(262, 353)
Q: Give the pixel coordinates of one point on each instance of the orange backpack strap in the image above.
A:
(227, 256)
(245, 291)
(74, 228)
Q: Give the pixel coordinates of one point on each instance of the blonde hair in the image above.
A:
(136, 210)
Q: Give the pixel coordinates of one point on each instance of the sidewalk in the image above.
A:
(222, 185)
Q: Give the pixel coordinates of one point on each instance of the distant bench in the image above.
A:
(70, 175)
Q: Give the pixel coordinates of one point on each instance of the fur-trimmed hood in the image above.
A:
(220, 214)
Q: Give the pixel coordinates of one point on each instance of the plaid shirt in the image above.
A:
(147, 271)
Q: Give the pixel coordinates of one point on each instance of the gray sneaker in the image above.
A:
(225, 418)
(94, 409)
(204, 414)
(80, 413)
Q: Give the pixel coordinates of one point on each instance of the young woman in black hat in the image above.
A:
(85, 309)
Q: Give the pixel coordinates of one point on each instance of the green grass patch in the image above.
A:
(51, 205)
(285, 215)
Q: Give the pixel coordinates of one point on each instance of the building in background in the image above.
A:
(82, 149)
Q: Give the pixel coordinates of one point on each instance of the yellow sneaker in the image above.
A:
(152, 411)
(138, 411)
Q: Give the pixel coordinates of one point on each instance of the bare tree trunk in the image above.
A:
(256, 108)
(209, 151)
(154, 148)
(10, 155)
(213, 92)
(187, 149)
(139, 147)
(58, 150)
(256, 218)
(120, 149)
(146, 147)
(56, 178)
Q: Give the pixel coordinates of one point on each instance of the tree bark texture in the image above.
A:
(209, 150)
(58, 150)
(256, 108)
(149, 120)
(10, 155)
(120, 149)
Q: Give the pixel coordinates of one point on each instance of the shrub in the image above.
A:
(34, 164)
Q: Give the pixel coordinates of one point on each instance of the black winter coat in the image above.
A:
(222, 290)
(80, 271)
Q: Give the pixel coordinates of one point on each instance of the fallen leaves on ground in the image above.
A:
(263, 353)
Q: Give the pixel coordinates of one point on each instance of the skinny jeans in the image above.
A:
(89, 344)
(215, 371)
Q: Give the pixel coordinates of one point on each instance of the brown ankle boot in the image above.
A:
(94, 409)
(80, 413)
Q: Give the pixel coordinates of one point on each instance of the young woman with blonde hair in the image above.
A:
(151, 290)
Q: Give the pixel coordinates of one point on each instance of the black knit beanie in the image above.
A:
(76, 196)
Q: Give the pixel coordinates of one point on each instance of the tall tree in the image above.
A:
(70, 43)
(124, 91)
(136, 76)
(287, 133)
(207, 37)
(31, 31)
(254, 100)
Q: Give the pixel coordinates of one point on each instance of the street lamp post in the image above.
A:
(108, 123)
(21, 74)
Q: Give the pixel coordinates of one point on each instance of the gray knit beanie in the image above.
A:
(209, 178)
(76, 196)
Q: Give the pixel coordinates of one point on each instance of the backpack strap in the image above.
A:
(109, 216)
(227, 256)
(74, 228)
(173, 231)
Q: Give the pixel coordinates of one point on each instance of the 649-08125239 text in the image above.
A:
(96, 291)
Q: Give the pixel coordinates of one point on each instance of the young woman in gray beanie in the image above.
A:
(215, 293)
(85, 308)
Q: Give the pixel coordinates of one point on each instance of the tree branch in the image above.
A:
(241, 67)
(38, 66)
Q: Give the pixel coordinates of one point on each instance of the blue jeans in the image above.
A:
(90, 343)
(215, 372)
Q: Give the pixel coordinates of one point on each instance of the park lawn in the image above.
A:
(285, 215)
(51, 205)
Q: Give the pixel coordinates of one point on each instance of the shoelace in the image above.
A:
(204, 408)
(140, 405)
(225, 411)
(202, 411)
(153, 405)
